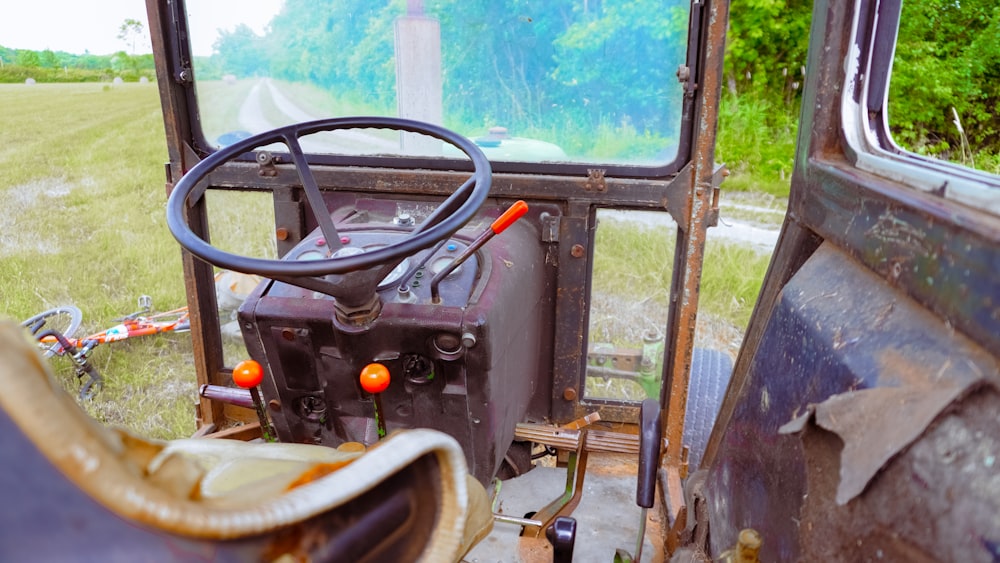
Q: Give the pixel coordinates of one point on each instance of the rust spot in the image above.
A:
(287, 334)
(281, 233)
(576, 251)
(910, 368)
(534, 549)
(569, 394)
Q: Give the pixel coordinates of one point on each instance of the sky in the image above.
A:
(78, 26)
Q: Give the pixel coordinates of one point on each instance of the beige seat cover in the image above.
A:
(198, 487)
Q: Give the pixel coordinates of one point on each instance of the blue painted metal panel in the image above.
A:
(836, 328)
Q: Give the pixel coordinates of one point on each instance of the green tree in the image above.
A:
(766, 45)
(131, 31)
(947, 56)
(502, 74)
(241, 51)
(28, 58)
(592, 54)
(48, 59)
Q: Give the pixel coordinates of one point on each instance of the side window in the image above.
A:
(629, 303)
(944, 99)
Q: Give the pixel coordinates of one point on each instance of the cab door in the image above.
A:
(861, 422)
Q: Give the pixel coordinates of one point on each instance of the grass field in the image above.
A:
(83, 223)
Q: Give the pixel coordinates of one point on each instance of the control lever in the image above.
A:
(650, 437)
(562, 535)
(513, 213)
(375, 379)
(248, 374)
(239, 397)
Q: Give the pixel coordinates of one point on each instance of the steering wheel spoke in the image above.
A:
(313, 195)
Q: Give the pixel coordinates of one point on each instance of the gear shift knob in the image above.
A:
(375, 379)
(248, 374)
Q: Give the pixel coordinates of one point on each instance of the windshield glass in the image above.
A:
(575, 81)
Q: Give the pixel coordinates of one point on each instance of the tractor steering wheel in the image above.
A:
(351, 278)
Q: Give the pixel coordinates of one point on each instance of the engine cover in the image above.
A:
(468, 366)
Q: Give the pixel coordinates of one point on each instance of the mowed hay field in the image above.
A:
(83, 223)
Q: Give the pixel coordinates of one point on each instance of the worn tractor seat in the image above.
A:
(224, 491)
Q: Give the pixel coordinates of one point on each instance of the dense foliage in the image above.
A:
(17, 65)
(522, 59)
(946, 77)
(947, 56)
(521, 62)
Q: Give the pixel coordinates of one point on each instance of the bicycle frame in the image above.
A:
(134, 325)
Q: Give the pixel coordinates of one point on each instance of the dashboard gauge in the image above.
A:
(396, 273)
(443, 262)
(310, 255)
(347, 251)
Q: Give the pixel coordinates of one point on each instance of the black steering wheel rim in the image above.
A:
(474, 191)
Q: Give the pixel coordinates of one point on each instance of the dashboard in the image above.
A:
(469, 363)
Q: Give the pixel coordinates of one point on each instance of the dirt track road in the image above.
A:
(257, 115)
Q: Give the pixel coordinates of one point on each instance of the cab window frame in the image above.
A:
(866, 121)
(184, 72)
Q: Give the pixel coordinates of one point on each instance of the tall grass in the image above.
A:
(633, 266)
(630, 290)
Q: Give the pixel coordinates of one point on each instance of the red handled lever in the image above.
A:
(248, 374)
(375, 379)
(513, 213)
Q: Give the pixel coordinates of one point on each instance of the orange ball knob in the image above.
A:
(248, 374)
(375, 378)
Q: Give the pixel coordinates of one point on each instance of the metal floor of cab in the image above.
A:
(607, 517)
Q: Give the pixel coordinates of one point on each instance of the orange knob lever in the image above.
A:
(508, 218)
(375, 379)
(513, 213)
(247, 374)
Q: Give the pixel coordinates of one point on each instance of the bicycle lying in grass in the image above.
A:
(55, 327)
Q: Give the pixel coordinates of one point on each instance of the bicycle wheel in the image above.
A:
(64, 320)
(92, 386)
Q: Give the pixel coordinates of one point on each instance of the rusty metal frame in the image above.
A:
(923, 250)
(576, 472)
(174, 83)
(690, 196)
(702, 205)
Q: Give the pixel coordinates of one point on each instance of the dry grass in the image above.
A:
(633, 264)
